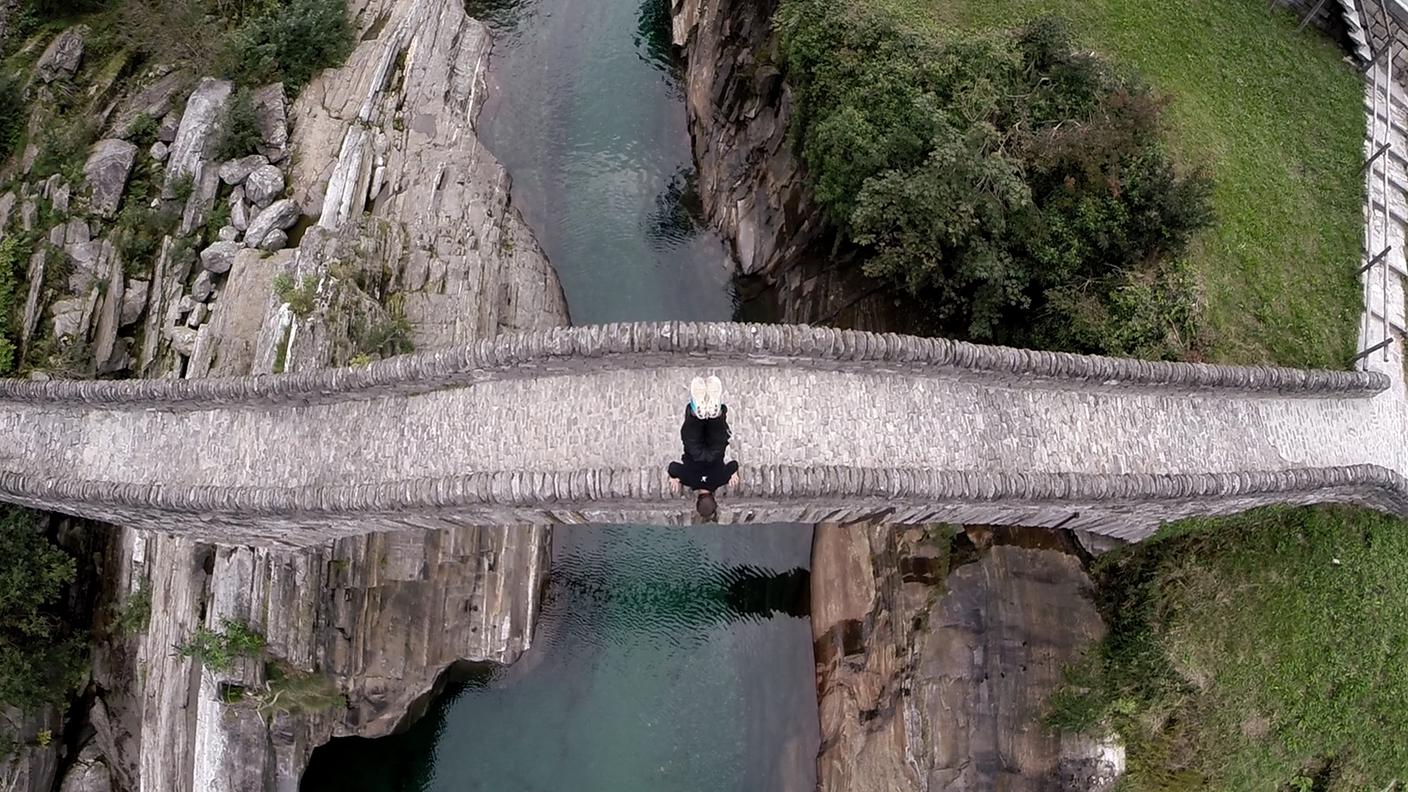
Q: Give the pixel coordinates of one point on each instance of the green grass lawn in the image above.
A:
(1249, 652)
(1277, 117)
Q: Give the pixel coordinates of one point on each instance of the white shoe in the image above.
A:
(699, 397)
(715, 389)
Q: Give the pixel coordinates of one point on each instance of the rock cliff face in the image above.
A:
(934, 666)
(751, 182)
(380, 224)
(415, 227)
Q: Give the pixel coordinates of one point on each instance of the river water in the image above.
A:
(667, 659)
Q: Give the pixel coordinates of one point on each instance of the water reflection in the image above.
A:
(585, 112)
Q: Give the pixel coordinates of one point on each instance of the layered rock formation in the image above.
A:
(751, 181)
(414, 241)
(934, 666)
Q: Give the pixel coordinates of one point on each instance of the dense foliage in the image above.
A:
(1015, 186)
(291, 42)
(11, 280)
(41, 656)
(12, 114)
(1261, 652)
(253, 42)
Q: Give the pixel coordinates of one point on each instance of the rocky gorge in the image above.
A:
(369, 221)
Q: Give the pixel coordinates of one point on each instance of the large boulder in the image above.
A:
(68, 317)
(274, 241)
(271, 114)
(154, 102)
(106, 171)
(219, 257)
(280, 215)
(264, 185)
(134, 301)
(64, 55)
(235, 171)
(195, 138)
(203, 287)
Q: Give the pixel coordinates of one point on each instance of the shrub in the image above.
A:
(41, 655)
(300, 298)
(13, 114)
(298, 692)
(64, 149)
(135, 612)
(138, 233)
(291, 43)
(12, 252)
(987, 175)
(218, 650)
(239, 134)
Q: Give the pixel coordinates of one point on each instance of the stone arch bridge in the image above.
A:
(576, 424)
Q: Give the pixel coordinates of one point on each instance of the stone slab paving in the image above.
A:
(609, 419)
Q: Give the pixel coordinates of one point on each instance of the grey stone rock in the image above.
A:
(106, 171)
(29, 215)
(183, 339)
(235, 171)
(67, 315)
(89, 772)
(239, 210)
(280, 215)
(159, 151)
(77, 232)
(219, 257)
(203, 287)
(154, 101)
(169, 126)
(202, 200)
(63, 56)
(57, 235)
(195, 138)
(273, 241)
(105, 351)
(134, 301)
(60, 197)
(197, 316)
(29, 321)
(264, 185)
(228, 233)
(185, 305)
(271, 114)
(7, 208)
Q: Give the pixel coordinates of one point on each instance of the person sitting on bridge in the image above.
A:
(705, 437)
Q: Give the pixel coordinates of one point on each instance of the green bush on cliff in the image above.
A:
(41, 656)
(1254, 653)
(290, 41)
(12, 273)
(1018, 188)
(13, 113)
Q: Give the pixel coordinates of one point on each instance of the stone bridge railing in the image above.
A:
(91, 448)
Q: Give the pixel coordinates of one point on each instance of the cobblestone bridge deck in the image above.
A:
(576, 425)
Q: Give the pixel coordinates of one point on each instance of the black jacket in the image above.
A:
(703, 475)
(705, 440)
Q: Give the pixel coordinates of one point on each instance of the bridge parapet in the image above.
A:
(569, 350)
